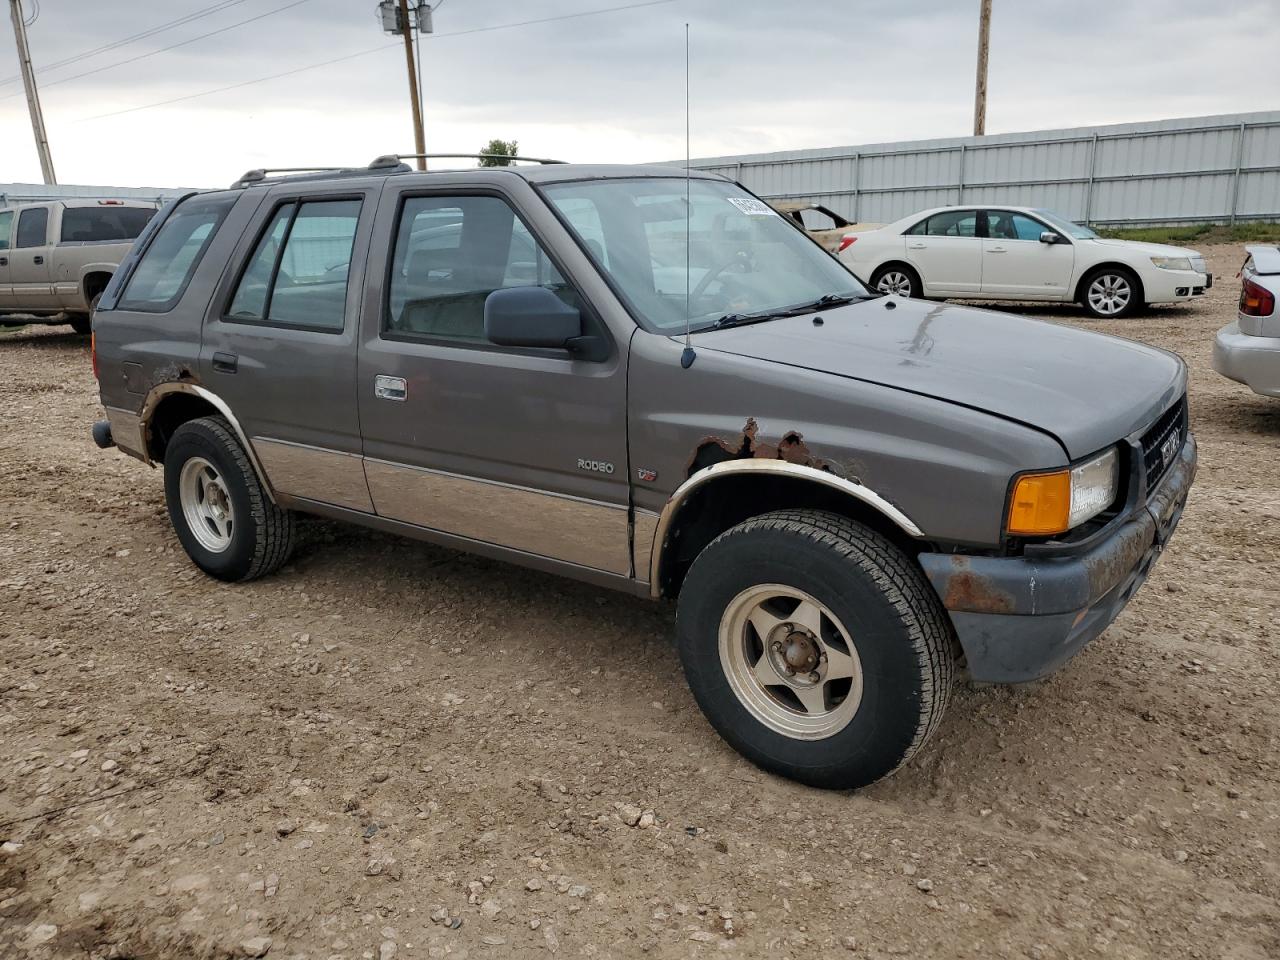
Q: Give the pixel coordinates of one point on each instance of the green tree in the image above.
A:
(499, 150)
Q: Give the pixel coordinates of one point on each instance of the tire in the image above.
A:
(222, 515)
(1111, 293)
(870, 600)
(898, 279)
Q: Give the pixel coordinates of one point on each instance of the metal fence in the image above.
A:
(1203, 170)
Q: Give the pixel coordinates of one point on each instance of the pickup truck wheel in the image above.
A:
(219, 509)
(81, 325)
(815, 647)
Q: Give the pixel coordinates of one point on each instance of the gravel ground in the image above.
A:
(393, 750)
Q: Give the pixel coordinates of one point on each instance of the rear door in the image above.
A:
(279, 341)
(946, 250)
(6, 235)
(521, 448)
(29, 261)
(1016, 264)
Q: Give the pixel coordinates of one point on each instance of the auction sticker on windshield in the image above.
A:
(752, 207)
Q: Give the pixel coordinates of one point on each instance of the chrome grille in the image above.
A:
(1162, 442)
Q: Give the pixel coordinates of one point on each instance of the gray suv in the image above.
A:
(657, 384)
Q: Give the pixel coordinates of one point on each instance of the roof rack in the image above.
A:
(394, 159)
(264, 175)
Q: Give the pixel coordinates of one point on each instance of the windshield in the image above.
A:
(1066, 226)
(743, 257)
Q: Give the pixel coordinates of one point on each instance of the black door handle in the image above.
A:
(224, 362)
(4, 261)
(37, 259)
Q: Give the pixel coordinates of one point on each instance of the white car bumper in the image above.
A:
(1170, 286)
(1253, 361)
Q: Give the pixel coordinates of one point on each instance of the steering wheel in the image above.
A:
(715, 272)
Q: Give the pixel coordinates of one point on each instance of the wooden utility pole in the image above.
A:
(33, 95)
(980, 91)
(420, 140)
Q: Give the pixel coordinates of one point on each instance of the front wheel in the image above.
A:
(81, 325)
(222, 515)
(897, 280)
(1111, 293)
(815, 647)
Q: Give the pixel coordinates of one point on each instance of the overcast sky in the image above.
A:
(608, 87)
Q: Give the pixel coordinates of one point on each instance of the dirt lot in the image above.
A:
(393, 750)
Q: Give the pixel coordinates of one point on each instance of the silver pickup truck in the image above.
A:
(56, 258)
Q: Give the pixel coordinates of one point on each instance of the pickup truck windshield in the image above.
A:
(743, 258)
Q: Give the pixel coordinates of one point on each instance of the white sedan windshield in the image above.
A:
(1066, 226)
(721, 252)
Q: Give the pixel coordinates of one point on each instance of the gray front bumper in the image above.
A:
(1021, 618)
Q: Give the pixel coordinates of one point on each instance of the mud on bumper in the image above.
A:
(1021, 618)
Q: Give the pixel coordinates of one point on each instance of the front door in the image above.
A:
(279, 342)
(1016, 264)
(522, 448)
(946, 251)
(6, 232)
(29, 261)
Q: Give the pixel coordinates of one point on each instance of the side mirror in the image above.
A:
(1049, 237)
(536, 317)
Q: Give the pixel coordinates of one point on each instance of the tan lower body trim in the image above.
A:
(298, 470)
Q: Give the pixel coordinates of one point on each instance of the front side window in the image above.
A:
(33, 227)
(721, 252)
(297, 275)
(99, 224)
(1007, 225)
(6, 224)
(450, 254)
(171, 258)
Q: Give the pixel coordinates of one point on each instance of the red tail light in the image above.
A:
(846, 241)
(1256, 300)
(93, 353)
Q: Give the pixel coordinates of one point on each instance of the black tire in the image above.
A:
(897, 625)
(914, 288)
(81, 325)
(1113, 278)
(261, 534)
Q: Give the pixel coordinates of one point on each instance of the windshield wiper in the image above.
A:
(742, 319)
(822, 303)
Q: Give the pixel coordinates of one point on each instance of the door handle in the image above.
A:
(995, 249)
(4, 261)
(390, 388)
(37, 259)
(917, 246)
(225, 362)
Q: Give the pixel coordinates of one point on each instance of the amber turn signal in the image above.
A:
(1041, 504)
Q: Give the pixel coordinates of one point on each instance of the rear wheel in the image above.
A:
(81, 325)
(815, 647)
(1111, 293)
(219, 509)
(898, 280)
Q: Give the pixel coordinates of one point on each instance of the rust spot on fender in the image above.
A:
(970, 592)
(748, 446)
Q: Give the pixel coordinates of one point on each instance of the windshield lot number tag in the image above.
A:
(752, 207)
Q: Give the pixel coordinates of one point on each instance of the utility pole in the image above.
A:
(419, 138)
(33, 96)
(980, 91)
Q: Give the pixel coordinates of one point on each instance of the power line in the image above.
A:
(150, 32)
(172, 46)
(366, 52)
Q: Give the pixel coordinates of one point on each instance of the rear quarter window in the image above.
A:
(171, 258)
(101, 224)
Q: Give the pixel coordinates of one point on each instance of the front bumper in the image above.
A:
(1253, 361)
(1021, 618)
(1171, 286)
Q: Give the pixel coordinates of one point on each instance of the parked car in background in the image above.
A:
(1248, 350)
(838, 492)
(1022, 253)
(823, 224)
(56, 258)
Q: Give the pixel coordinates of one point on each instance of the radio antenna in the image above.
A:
(687, 356)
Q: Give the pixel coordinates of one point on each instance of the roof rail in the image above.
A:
(264, 174)
(393, 159)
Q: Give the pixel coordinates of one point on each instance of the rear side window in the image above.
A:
(951, 223)
(98, 224)
(33, 227)
(297, 275)
(171, 258)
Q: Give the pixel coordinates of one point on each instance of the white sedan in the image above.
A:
(1248, 350)
(1021, 253)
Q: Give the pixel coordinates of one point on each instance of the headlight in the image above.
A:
(1172, 263)
(1047, 503)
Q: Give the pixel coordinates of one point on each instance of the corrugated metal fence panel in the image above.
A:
(1167, 171)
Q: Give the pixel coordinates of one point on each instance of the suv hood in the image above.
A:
(1086, 389)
